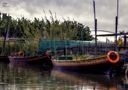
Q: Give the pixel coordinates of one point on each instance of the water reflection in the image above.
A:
(34, 78)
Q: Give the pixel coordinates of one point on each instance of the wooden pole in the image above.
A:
(6, 33)
(95, 27)
(125, 41)
(116, 24)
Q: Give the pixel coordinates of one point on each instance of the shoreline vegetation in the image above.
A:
(38, 28)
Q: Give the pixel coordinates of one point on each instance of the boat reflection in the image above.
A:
(33, 78)
(91, 82)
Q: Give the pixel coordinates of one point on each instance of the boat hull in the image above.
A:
(91, 67)
(38, 61)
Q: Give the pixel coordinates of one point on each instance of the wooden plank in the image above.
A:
(112, 34)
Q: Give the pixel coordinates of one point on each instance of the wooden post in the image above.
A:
(95, 27)
(116, 24)
(96, 37)
(6, 33)
(125, 41)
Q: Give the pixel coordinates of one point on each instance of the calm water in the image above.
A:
(28, 78)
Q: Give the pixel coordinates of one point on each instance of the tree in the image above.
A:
(50, 29)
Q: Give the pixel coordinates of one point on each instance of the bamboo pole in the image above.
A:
(116, 24)
(95, 27)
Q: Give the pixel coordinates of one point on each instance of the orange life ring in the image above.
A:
(113, 57)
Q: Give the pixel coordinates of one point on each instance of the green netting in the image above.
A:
(69, 49)
(54, 44)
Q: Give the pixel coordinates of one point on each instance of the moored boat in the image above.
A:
(101, 65)
(43, 62)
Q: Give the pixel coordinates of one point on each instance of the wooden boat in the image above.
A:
(101, 65)
(43, 62)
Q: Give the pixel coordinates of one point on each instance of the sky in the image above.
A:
(78, 10)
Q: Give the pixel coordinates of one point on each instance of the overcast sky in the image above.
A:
(79, 10)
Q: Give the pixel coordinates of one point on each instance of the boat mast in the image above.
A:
(95, 27)
(116, 23)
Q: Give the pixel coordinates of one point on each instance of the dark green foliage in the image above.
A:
(50, 29)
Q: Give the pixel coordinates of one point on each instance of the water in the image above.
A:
(33, 78)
